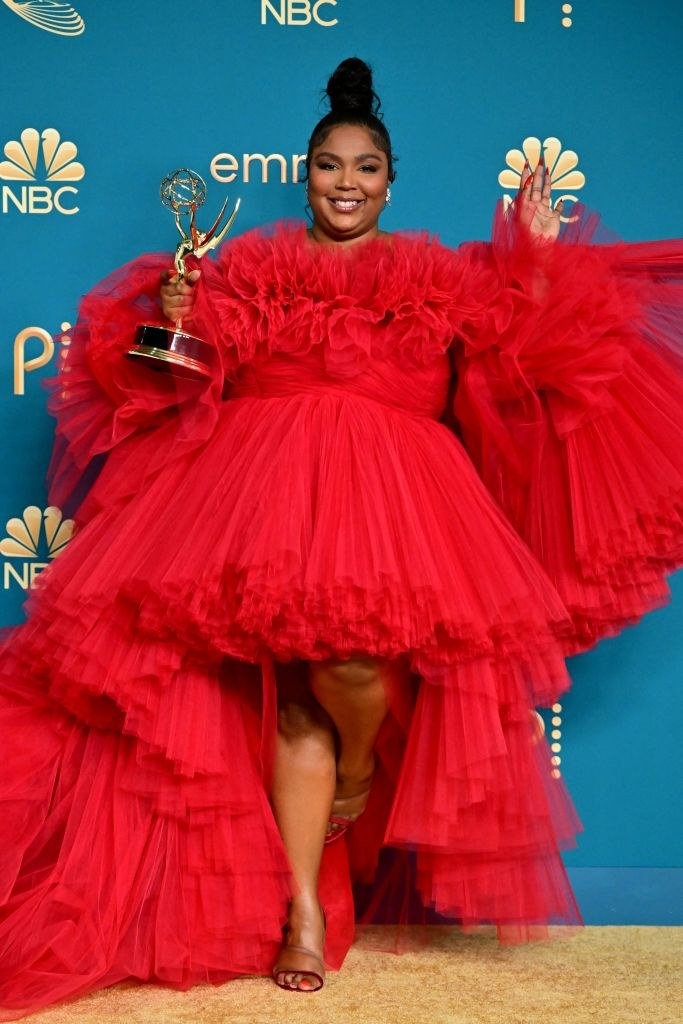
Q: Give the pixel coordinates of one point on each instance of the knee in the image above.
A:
(355, 672)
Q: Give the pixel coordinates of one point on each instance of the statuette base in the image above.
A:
(174, 351)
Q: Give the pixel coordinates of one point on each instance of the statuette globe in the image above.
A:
(184, 191)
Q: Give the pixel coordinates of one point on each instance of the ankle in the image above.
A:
(305, 906)
(306, 921)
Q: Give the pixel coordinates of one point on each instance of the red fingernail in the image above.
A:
(540, 160)
(528, 181)
(526, 165)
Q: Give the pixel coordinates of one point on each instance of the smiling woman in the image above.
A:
(349, 163)
(347, 186)
(296, 642)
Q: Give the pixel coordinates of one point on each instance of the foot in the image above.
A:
(300, 966)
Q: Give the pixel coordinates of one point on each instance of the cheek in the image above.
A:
(377, 188)
(318, 182)
(312, 185)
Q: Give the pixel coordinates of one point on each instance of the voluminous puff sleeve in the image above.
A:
(569, 402)
(103, 400)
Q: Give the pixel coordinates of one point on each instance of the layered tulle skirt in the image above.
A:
(139, 699)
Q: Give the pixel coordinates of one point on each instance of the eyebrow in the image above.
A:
(361, 156)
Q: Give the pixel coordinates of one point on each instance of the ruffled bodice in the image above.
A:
(403, 296)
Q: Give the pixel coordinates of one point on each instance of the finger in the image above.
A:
(547, 185)
(186, 285)
(525, 176)
(184, 289)
(177, 294)
(537, 183)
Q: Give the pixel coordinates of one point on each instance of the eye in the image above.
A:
(326, 165)
(369, 168)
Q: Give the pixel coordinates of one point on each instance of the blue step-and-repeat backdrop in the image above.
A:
(100, 101)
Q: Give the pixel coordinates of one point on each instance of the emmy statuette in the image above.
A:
(172, 349)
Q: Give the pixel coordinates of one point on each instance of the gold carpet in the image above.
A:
(614, 975)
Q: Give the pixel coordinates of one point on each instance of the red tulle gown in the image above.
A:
(330, 492)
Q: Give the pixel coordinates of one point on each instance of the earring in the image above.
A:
(388, 197)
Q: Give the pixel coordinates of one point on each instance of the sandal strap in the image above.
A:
(316, 972)
(341, 820)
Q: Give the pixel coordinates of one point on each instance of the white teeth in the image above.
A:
(346, 204)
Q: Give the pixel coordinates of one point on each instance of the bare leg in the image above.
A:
(355, 694)
(345, 702)
(302, 795)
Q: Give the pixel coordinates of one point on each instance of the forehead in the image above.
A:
(349, 139)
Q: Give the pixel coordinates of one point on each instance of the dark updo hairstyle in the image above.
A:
(352, 101)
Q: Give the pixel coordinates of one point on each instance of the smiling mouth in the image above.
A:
(346, 205)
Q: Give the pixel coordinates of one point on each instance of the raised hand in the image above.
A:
(533, 206)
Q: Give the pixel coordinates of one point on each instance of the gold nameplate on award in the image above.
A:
(173, 349)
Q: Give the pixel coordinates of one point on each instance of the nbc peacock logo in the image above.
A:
(32, 541)
(51, 15)
(43, 155)
(562, 164)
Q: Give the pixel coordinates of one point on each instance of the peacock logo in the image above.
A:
(43, 155)
(51, 15)
(32, 541)
(24, 154)
(562, 164)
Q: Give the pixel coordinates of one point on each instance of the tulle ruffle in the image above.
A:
(570, 407)
(117, 863)
(144, 846)
(103, 400)
(389, 543)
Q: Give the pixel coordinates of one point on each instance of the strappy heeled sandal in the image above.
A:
(302, 961)
(309, 966)
(339, 824)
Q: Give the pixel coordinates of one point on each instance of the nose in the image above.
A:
(345, 179)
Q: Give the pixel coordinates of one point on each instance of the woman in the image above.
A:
(294, 625)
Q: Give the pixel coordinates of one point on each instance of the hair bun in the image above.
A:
(350, 88)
